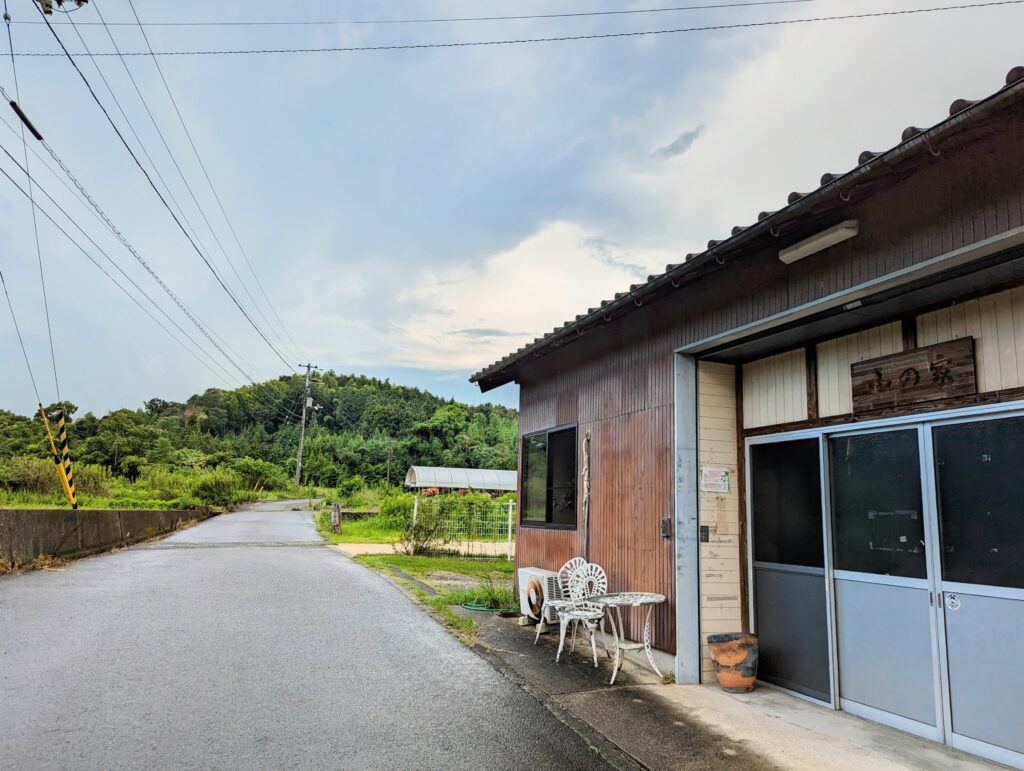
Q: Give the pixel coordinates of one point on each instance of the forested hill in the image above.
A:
(359, 428)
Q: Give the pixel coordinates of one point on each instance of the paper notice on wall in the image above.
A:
(714, 479)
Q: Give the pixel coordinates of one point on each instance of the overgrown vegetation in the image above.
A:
(492, 587)
(223, 447)
(439, 520)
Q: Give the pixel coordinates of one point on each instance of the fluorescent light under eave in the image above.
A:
(819, 242)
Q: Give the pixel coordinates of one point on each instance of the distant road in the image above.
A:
(246, 643)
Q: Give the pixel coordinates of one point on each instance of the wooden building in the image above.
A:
(814, 430)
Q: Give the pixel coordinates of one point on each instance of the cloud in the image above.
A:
(539, 283)
(679, 145)
(487, 332)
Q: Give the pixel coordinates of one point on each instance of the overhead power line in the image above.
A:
(156, 169)
(35, 223)
(555, 39)
(213, 189)
(443, 20)
(174, 161)
(163, 200)
(109, 259)
(21, 340)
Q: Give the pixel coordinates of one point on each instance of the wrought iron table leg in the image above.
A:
(562, 623)
(616, 630)
(647, 641)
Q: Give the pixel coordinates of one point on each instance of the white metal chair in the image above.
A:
(549, 608)
(589, 580)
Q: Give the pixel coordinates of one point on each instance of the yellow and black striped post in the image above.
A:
(62, 458)
(65, 457)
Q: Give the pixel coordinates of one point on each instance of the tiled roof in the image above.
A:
(959, 111)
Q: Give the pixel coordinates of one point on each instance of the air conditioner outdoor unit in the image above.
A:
(535, 586)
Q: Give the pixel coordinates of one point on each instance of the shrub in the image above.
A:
(397, 509)
(219, 487)
(259, 474)
(39, 476)
(351, 485)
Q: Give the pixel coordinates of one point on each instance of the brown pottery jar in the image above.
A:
(734, 656)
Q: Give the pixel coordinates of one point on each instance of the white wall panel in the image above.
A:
(996, 322)
(835, 357)
(775, 389)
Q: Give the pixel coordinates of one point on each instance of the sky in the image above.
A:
(417, 214)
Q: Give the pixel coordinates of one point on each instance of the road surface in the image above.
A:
(246, 643)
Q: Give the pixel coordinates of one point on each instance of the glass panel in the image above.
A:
(979, 469)
(535, 477)
(786, 503)
(789, 600)
(876, 504)
(562, 465)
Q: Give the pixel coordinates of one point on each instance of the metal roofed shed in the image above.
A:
(420, 477)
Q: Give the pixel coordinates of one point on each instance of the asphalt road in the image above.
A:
(245, 643)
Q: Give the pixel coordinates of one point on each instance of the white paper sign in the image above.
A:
(714, 479)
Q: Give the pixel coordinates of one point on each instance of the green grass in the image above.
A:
(422, 567)
(445, 602)
(368, 530)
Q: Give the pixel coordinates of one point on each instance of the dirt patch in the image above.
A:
(42, 562)
(446, 581)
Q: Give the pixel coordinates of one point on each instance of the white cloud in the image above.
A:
(477, 312)
(795, 103)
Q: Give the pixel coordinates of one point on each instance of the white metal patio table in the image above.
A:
(614, 603)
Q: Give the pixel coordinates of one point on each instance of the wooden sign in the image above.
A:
(926, 374)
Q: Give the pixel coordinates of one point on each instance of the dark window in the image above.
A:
(876, 504)
(980, 470)
(786, 503)
(549, 478)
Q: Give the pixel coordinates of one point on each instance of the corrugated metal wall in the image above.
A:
(996, 323)
(775, 389)
(624, 399)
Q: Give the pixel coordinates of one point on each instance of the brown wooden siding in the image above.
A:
(616, 381)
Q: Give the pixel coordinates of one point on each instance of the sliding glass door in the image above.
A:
(979, 499)
(788, 545)
(887, 573)
(883, 598)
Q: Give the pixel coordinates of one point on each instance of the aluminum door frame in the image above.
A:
(830, 620)
(952, 739)
(930, 583)
(924, 423)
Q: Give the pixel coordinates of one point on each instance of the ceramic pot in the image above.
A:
(734, 657)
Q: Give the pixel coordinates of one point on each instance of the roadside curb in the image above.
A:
(609, 750)
(614, 754)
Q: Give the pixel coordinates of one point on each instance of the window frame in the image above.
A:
(548, 507)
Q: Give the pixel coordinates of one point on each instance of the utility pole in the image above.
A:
(307, 402)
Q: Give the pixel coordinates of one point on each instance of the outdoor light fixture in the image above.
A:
(819, 242)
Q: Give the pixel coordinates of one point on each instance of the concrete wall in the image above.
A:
(28, 533)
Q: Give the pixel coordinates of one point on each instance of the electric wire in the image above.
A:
(159, 176)
(124, 241)
(35, 223)
(206, 174)
(21, 340)
(163, 200)
(98, 266)
(275, 410)
(181, 174)
(442, 20)
(554, 39)
(109, 259)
